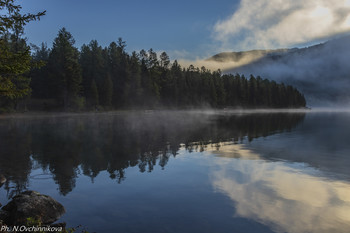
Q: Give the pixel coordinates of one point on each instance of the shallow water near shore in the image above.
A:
(185, 171)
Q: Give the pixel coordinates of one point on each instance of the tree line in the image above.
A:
(95, 77)
(110, 78)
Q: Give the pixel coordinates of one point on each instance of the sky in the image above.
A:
(191, 30)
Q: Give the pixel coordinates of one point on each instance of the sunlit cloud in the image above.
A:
(214, 65)
(224, 63)
(276, 23)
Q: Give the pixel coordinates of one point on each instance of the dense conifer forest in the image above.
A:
(65, 78)
(97, 77)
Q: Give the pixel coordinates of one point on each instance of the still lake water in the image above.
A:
(159, 171)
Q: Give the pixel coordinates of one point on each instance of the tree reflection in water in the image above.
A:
(66, 145)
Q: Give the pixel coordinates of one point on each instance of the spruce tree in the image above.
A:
(65, 70)
(39, 82)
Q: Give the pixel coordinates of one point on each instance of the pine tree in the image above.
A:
(164, 60)
(135, 94)
(65, 70)
(93, 94)
(94, 69)
(39, 82)
(106, 94)
(118, 66)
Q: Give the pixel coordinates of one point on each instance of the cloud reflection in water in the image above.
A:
(288, 197)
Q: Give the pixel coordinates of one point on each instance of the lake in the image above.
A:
(185, 171)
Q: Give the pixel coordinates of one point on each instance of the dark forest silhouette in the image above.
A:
(110, 78)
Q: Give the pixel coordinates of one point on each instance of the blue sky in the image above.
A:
(180, 27)
(193, 29)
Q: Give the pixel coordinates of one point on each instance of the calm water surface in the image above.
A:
(185, 171)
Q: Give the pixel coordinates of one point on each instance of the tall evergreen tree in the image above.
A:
(94, 69)
(164, 60)
(106, 93)
(135, 93)
(154, 72)
(93, 97)
(118, 65)
(65, 70)
(14, 54)
(39, 75)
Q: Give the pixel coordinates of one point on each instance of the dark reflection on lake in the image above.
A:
(183, 171)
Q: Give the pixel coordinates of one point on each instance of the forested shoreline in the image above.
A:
(110, 78)
(65, 78)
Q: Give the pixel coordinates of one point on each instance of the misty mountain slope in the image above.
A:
(238, 56)
(321, 72)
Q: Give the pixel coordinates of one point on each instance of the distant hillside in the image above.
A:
(321, 72)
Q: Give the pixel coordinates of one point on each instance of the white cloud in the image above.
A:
(281, 23)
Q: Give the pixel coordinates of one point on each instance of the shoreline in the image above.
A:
(41, 114)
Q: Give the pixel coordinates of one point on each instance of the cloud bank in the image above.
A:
(280, 23)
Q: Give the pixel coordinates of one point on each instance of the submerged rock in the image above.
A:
(31, 204)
